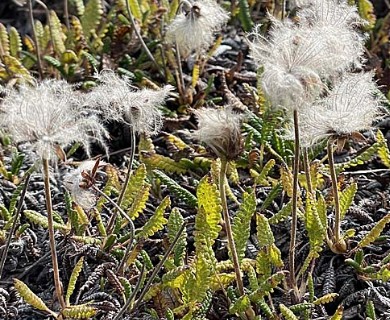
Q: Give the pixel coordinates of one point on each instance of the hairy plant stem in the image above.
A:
(52, 241)
(306, 165)
(14, 223)
(229, 232)
(294, 215)
(37, 48)
(337, 241)
(181, 87)
(151, 278)
(143, 44)
(111, 222)
(66, 14)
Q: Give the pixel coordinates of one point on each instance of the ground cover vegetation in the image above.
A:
(194, 159)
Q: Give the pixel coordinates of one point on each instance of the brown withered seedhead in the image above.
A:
(89, 177)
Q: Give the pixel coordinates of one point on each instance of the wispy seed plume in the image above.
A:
(351, 106)
(193, 30)
(219, 129)
(49, 116)
(116, 99)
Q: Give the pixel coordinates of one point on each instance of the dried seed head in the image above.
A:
(351, 106)
(339, 22)
(73, 182)
(49, 116)
(194, 30)
(299, 58)
(117, 101)
(291, 60)
(219, 129)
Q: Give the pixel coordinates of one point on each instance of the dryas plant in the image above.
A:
(349, 108)
(46, 118)
(300, 59)
(116, 100)
(220, 130)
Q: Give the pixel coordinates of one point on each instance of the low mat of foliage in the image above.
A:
(174, 184)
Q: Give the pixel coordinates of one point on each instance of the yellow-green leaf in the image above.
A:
(82, 311)
(157, 221)
(287, 313)
(73, 279)
(326, 298)
(57, 34)
(4, 40)
(241, 223)
(15, 42)
(136, 182)
(30, 297)
(261, 179)
(209, 214)
(366, 11)
(383, 151)
(346, 198)
(338, 315)
(41, 220)
(374, 232)
(135, 9)
(92, 17)
(264, 232)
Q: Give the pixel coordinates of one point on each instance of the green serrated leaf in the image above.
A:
(15, 42)
(240, 305)
(14, 69)
(261, 179)
(370, 310)
(326, 299)
(136, 182)
(314, 227)
(282, 214)
(175, 222)
(383, 151)
(56, 33)
(275, 191)
(157, 221)
(4, 40)
(82, 311)
(181, 193)
(366, 11)
(31, 298)
(41, 220)
(287, 313)
(79, 5)
(245, 15)
(92, 17)
(241, 223)
(209, 215)
(135, 9)
(73, 279)
(264, 232)
(346, 198)
(139, 203)
(374, 232)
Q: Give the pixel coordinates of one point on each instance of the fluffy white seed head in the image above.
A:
(219, 129)
(72, 182)
(340, 23)
(49, 116)
(351, 106)
(194, 30)
(298, 58)
(329, 13)
(117, 100)
(293, 62)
